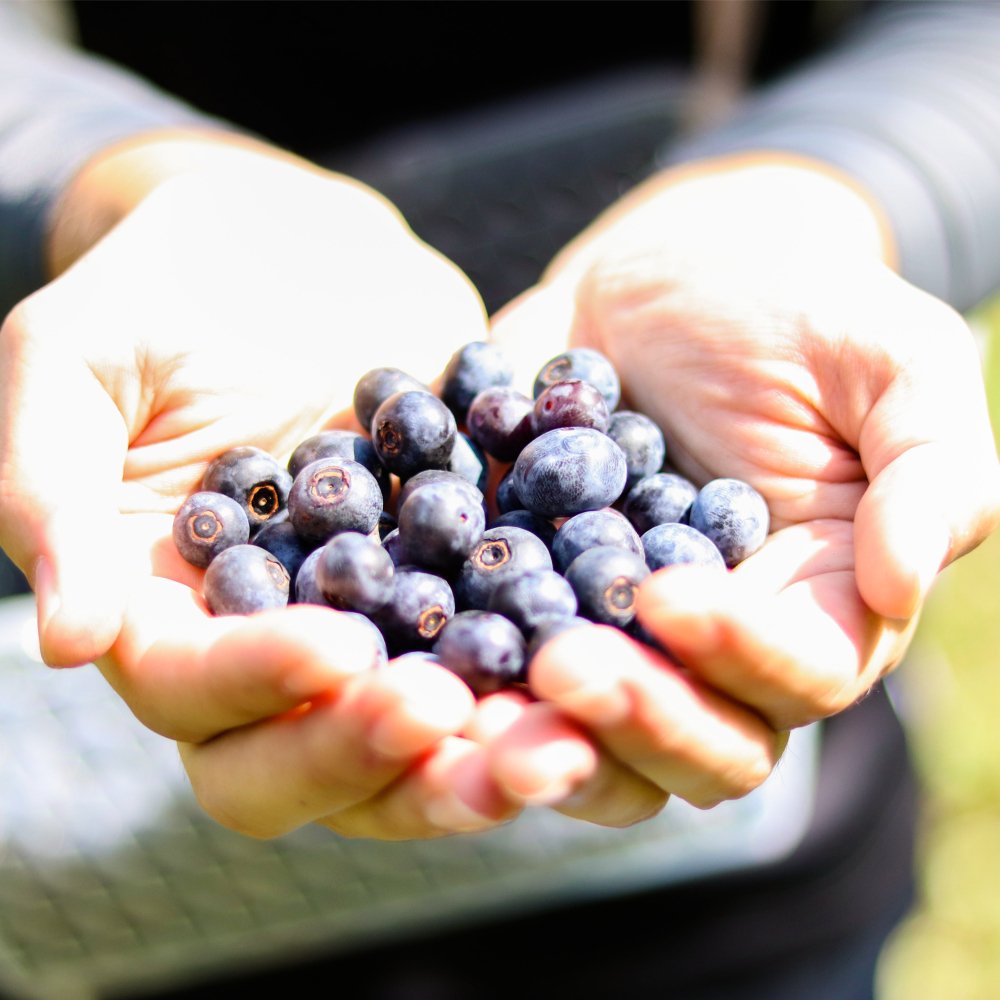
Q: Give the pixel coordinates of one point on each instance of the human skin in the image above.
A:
(751, 309)
(209, 292)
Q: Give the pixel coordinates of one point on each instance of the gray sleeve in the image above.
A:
(909, 105)
(58, 107)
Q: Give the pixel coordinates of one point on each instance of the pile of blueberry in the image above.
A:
(394, 527)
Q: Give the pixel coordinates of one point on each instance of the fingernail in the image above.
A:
(448, 812)
(46, 597)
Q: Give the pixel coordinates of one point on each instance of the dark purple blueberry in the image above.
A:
(306, 588)
(355, 573)
(381, 650)
(532, 597)
(486, 650)
(642, 442)
(583, 363)
(285, 544)
(469, 461)
(392, 544)
(341, 444)
(243, 579)
(421, 604)
(569, 470)
(386, 522)
(207, 523)
(499, 420)
(473, 367)
(252, 477)
(498, 555)
(436, 476)
(605, 580)
(672, 543)
(569, 404)
(733, 515)
(534, 523)
(659, 499)
(440, 524)
(506, 497)
(413, 431)
(589, 530)
(332, 495)
(376, 386)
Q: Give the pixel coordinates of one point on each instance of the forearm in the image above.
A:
(910, 109)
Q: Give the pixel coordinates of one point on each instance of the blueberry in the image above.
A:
(583, 363)
(672, 543)
(532, 597)
(306, 589)
(413, 431)
(572, 403)
(605, 580)
(589, 530)
(499, 420)
(498, 555)
(506, 497)
(355, 573)
(569, 470)
(421, 604)
(469, 461)
(375, 387)
(243, 579)
(252, 477)
(534, 523)
(332, 495)
(393, 545)
(658, 499)
(440, 524)
(436, 476)
(473, 367)
(285, 544)
(207, 523)
(641, 440)
(485, 649)
(733, 515)
(341, 444)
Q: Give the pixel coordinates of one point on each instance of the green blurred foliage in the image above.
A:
(949, 949)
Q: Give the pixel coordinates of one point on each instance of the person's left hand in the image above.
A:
(749, 311)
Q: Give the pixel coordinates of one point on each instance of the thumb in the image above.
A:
(62, 449)
(934, 485)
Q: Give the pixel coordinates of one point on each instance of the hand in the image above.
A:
(750, 310)
(212, 293)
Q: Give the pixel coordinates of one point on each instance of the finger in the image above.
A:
(189, 676)
(533, 328)
(539, 757)
(62, 448)
(449, 791)
(330, 754)
(795, 656)
(930, 456)
(924, 509)
(669, 727)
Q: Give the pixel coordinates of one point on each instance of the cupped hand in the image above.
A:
(751, 310)
(213, 293)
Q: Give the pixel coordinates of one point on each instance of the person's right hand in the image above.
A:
(210, 294)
